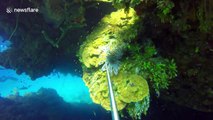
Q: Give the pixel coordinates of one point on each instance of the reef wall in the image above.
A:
(113, 43)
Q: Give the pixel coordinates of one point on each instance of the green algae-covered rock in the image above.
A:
(123, 3)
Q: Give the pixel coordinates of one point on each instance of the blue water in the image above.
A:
(4, 44)
(53, 97)
(70, 88)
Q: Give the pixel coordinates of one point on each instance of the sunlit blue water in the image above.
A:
(65, 96)
(4, 44)
(70, 88)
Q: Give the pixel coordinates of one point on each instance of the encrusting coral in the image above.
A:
(108, 44)
(113, 30)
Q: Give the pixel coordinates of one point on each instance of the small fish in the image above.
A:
(24, 87)
(94, 113)
(157, 94)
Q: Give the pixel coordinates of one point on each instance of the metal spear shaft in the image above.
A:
(114, 110)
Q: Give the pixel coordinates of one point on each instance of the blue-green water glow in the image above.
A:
(70, 88)
(4, 44)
